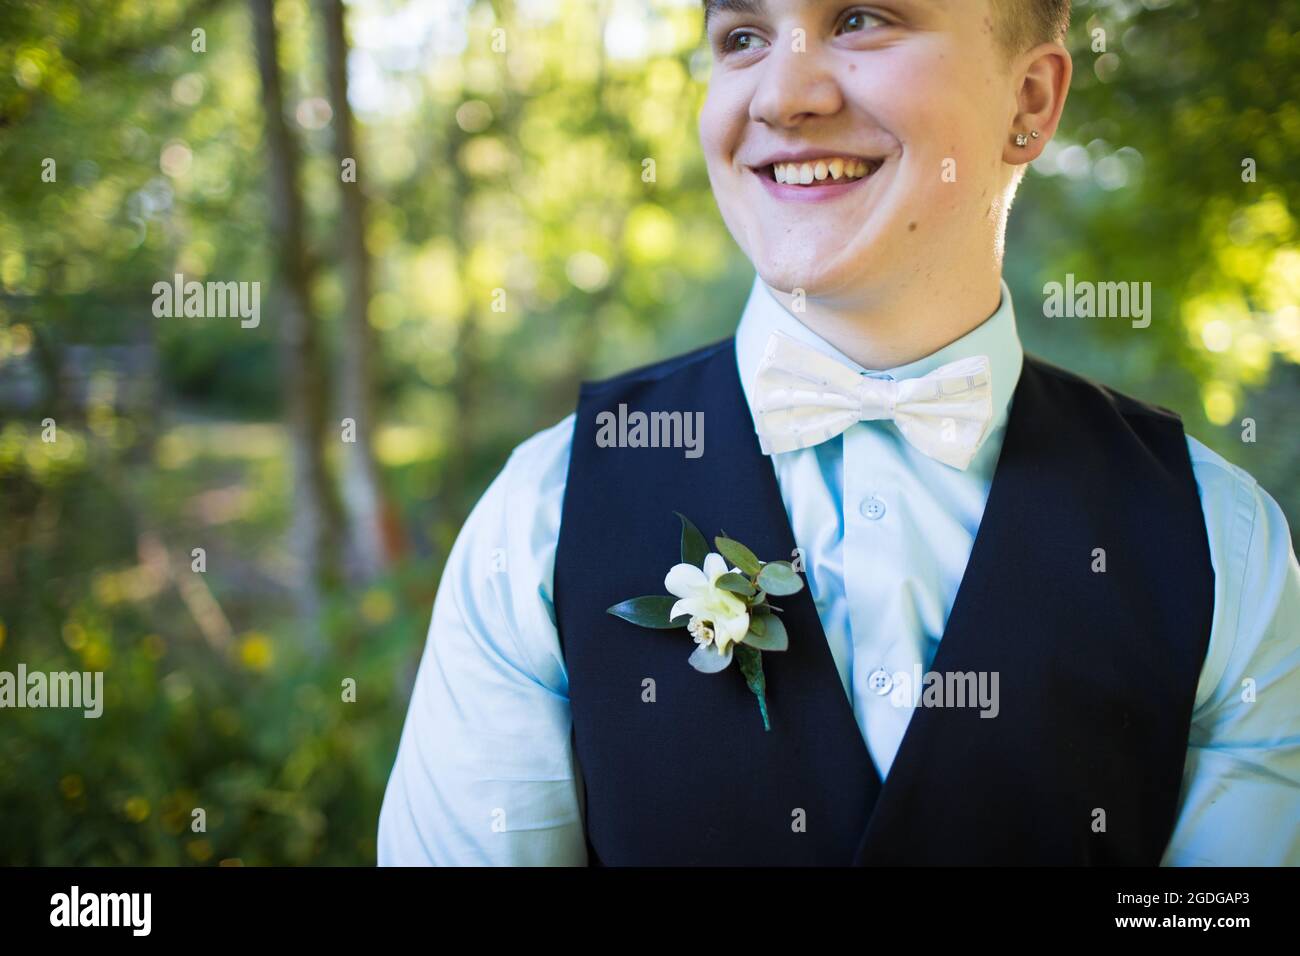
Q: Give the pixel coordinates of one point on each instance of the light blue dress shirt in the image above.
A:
(486, 774)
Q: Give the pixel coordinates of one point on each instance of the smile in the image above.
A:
(820, 179)
(815, 172)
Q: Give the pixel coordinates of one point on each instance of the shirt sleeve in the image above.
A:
(1240, 799)
(485, 773)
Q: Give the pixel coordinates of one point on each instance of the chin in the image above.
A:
(819, 273)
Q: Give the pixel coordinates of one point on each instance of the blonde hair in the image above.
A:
(1021, 24)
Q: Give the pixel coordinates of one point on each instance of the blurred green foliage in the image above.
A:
(483, 170)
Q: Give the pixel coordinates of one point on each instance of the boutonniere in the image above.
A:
(720, 598)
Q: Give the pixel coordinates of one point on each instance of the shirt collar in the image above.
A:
(995, 337)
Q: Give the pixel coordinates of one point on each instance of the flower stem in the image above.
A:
(751, 665)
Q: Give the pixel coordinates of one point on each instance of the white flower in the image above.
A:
(702, 633)
(719, 618)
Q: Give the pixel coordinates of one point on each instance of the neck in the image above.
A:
(884, 328)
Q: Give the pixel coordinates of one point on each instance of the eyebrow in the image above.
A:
(756, 8)
(748, 7)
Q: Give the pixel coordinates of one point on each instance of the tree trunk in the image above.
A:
(314, 511)
(363, 500)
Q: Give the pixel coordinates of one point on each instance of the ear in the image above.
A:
(1044, 73)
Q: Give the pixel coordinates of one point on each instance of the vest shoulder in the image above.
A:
(657, 371)
(1125, 405)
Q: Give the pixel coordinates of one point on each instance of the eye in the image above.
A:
(855, 21)
(742, 41)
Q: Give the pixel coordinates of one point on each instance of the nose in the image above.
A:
(794, 86)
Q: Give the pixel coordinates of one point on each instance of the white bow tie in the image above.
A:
(803, 398)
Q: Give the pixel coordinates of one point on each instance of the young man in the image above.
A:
(957, 507)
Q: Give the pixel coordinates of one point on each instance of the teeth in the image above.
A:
(832, 168)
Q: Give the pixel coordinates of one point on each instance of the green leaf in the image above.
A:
(769, 636)
(735, 583)
(649, 611)
(707, 660)
(694, 547)
(738, 555)
(751, 665)
(780, 578)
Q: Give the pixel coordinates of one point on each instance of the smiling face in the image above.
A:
(855, 147)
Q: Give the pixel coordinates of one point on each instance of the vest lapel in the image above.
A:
(808, 661)
(1071, 655)
(980, 635)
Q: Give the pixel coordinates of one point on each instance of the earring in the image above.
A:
(1035, 134)
(1022, 139)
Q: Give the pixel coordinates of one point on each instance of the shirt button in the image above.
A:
(872, 508)
(880, 681)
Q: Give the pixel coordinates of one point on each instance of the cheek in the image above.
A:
(940, 126)
(721, 122)
(708, 132)
(919, 96)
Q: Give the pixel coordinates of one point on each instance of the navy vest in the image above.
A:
(1097, 671)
